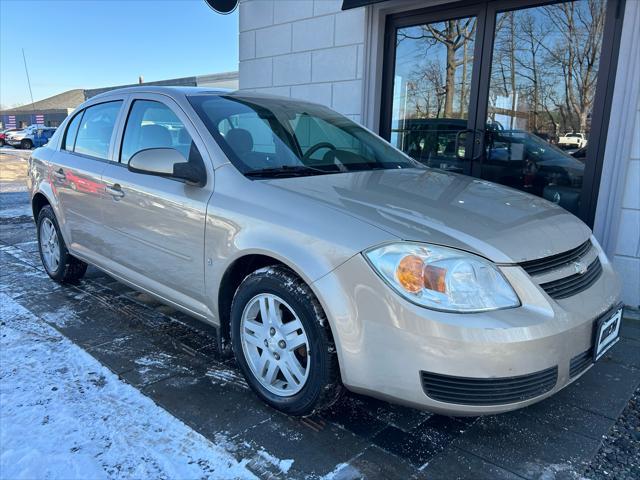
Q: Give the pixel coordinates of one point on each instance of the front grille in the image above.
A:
(546, 264)
(488, 391)
(573, 284)
(580, 362)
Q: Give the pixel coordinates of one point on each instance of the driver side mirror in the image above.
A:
(167, 162)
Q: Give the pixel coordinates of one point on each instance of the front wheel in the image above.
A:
(26, 144)
(282, 343)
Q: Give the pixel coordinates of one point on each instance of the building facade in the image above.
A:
(540, 95)
(53, 110)
(49, 112)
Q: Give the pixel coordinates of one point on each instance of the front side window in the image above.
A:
(154, 125)
(95, 130)
(264, 137)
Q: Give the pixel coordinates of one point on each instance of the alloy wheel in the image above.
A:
(275, 345)
(49, 245)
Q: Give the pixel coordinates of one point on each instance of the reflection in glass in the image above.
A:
(431, 89)
(543, 81)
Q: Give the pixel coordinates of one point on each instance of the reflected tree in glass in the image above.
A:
(544, 67)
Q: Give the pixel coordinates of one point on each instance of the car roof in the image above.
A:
(170, 91)
(178, 91)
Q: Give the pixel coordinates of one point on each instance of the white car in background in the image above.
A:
(573, 140)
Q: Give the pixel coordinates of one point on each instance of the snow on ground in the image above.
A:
(64, 415)
(21, 211)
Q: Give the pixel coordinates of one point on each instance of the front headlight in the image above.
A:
(442, 278)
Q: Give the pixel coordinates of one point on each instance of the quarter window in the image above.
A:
(154, 125)
(72, 131)
(96, 128)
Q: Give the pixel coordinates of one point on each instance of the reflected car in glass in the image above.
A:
(514, 158)
(325, 257)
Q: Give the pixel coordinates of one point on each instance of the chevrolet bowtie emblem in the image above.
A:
(580, 268)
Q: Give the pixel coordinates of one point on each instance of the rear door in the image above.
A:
(76, 172)
(157, 224)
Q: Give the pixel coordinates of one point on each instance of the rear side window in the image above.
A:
(72, 130)
(95, 130)
(154, 125)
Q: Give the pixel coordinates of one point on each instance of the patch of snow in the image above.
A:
(23, 256)
(283, 465)
(22, 211)
(554, 470)
(160, 359)
(224, 376)
(64, 415)
(13, 187)
(343, 471)
(61, 317)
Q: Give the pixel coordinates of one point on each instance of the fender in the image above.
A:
(240, 222)
(41, 184)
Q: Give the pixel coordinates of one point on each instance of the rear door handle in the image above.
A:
(115, 191)
(59, 174)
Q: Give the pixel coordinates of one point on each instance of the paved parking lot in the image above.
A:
(173, 360)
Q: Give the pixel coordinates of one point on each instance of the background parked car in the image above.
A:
(573, 140)
(30, 137)
(4, 133)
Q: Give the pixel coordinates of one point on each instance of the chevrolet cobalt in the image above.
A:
(324, 256)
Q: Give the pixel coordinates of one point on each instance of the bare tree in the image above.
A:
(531, 35)
(577, 57)
(425, 90)
(453, 34)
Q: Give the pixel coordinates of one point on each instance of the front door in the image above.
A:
(508, 91)
(157, 224)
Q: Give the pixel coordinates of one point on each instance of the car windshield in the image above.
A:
(573, 135)
(269, 137)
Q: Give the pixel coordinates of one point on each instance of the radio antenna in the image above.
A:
(24, 58)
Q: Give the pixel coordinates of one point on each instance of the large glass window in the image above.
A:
(96, 128)
(153, 124)
(432, 90)
(517, 111)
(544, 70)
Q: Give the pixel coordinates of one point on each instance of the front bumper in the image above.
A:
(385, 343)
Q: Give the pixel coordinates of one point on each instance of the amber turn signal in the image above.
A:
(413, 275)
(410, 273)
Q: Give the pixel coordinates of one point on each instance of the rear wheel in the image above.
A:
(26, 144)
(281, 343)
(60, 265)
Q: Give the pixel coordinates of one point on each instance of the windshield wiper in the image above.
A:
(285, 171)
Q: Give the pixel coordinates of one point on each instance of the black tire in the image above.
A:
(69, 269)
(323, 386)
(26, 144)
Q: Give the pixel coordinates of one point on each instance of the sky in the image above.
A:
(98, 43)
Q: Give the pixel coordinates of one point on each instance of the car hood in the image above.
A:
(426, 205)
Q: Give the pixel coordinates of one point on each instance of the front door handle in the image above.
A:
(59, 174)
(115, 191)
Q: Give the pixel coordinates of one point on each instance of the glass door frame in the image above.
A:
(419, 17)
(485, 12)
